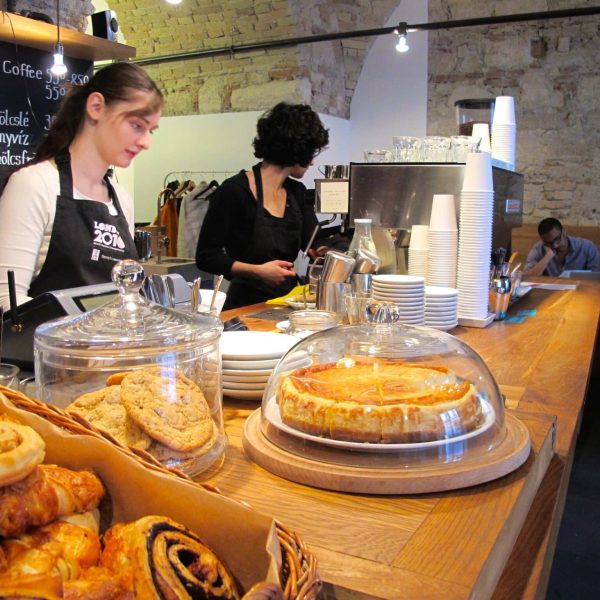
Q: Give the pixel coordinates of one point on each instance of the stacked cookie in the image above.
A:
(157, 409)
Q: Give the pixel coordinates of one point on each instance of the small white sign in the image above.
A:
(333, 196)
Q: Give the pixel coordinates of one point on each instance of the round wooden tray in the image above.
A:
(507, 456)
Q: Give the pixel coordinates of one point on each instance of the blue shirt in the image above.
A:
(583, 255)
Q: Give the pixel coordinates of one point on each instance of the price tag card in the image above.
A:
(332, 195)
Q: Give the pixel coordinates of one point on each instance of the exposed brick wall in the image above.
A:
(73, 13)
(556, 95)
(323, 74)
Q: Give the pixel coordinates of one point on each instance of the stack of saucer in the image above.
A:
(443, 242)
(418, 250)
(441, 307)
(248, 359)
(475, 239)
(404, 293)
(504, 133)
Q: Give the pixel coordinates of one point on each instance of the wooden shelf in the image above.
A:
(37, 34)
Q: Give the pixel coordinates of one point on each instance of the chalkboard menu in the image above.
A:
(29, 98)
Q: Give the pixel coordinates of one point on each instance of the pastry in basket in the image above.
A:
(46, 493)
(166, 560)
(58, 548)
(32, 587)
(104, 410)
(168, 406)
(21, 450)
(386, 401)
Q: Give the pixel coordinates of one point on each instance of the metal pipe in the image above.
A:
(325, 37)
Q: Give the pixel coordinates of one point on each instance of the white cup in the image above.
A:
(504, 110)
(419, 236)
(482, 131)
(443, 213)
(478, 172)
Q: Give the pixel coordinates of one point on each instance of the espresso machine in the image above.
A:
(397, 196)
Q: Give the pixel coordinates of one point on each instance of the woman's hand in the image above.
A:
(275, 272)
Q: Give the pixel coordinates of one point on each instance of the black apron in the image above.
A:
(86, 240)
(272, 239)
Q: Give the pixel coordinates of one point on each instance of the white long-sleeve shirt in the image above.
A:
(27, 211)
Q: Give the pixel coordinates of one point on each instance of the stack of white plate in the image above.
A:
(441, 307)
(475, 237)
(248, 359)
(406, 293)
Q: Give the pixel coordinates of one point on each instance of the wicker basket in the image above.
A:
(299, 568)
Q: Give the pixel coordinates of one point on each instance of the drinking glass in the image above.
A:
(9, 375)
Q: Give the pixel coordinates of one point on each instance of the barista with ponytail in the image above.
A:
(63, 221)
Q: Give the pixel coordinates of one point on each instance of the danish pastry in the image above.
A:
(166, 560)
(21, 450)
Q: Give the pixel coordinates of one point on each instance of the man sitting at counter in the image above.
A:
(557, 252)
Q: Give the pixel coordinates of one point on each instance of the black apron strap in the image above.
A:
(63, 164)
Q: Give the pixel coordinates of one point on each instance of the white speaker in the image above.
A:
(105, 25)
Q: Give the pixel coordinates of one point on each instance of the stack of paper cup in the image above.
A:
(418, 250)
(482, 131)
(475, 237)
(504, 132)
(443, 242)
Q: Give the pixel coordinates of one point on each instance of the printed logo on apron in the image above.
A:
(107, 236)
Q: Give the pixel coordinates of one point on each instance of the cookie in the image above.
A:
(116, 378)
(103, 409)
(167, 455)
(168, 406)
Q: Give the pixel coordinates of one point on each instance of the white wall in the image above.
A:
(210, 147)
(391, 95)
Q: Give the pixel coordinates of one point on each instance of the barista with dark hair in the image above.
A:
(557, 252)
(258, 220)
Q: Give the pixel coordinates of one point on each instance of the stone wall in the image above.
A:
(323, 74)
(73, 13)
(551, 69)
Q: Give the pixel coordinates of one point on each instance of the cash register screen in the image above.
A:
(92, 301)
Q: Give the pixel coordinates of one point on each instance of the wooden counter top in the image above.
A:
(455, 544)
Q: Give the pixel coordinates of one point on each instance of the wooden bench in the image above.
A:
(523, 238)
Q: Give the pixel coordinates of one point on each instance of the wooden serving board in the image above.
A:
(510, 454)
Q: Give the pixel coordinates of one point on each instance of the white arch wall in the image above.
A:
(391, 95)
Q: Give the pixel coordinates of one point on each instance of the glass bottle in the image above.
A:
(362, 239)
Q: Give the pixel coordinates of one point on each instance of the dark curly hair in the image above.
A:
(289, 134)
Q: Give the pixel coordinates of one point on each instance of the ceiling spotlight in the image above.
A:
(402, 45)
(174, 1)
(58, 67)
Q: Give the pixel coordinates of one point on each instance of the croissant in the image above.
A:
(166, 560)
(56, 549)
(47, 493)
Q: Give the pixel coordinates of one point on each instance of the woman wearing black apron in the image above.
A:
(258, 220)
(63, 222)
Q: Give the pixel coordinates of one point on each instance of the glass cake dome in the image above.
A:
(384, 395)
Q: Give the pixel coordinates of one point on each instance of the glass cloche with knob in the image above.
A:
(150, 376)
